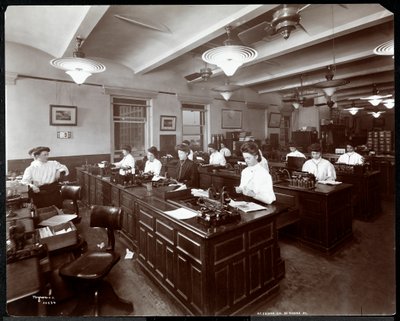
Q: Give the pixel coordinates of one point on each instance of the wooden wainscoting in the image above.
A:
(19, 165)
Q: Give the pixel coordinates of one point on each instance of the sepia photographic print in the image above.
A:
(172, 198)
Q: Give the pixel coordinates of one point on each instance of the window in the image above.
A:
(130, 124)
(193, 119)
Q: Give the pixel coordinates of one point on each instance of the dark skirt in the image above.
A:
(50, 194)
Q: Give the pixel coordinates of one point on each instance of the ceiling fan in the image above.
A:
(284, 21)
(299, 98)
(329, 102)
(204, 73)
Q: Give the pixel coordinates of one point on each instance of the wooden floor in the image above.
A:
(357, 280)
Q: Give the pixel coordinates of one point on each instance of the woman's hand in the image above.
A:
(248, 192)
(35, 189)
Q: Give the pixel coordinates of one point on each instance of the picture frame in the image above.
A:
(274, 120)
(231, 119)
(61, 115)
(167, 123)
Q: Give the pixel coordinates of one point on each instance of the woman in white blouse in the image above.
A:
(255, 180)
(127, 164)
(153, 165)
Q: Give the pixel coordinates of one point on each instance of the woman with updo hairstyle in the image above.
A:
(127, 164)
(255, 180)
(153, 165)
(186, 170)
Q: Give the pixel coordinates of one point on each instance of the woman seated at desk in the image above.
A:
(322, 169)
(216, 157)
(186, 170)
(127, 164)
(350, 157)
(153, 165)
(255, 180)
(42, 178)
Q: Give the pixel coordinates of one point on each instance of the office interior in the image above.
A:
(316, 74)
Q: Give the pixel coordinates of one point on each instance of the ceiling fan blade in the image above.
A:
(308, 102)
(254, 34)
(143, 23)
(193, 76)
(321, 104)
(303, 7)
(343, 5)
(302, 27)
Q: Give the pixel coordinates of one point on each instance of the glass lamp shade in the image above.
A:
(229, 66)
(296, 105)
(79, 76)
(226, 94)
(329, 91)
(229, 57)
(375, 102)
(389, 103)
(353, 111)
(376, 114)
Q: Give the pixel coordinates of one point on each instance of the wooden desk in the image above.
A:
(208, 271)
(325, 214)
(366, 197)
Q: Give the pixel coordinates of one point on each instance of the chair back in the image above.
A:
(108, 217)
(72, 192)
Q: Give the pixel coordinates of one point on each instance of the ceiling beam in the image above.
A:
(84, 29)
(247, 13)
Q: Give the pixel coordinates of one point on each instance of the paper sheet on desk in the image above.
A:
(181, 213)
(58, 219)
(157, 178)
(180, 187)
(199, 192)
(246, 206)
(329, 182)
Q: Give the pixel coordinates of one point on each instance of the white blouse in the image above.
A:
(296, 153)
(322, 169)
(39, 173)
(352, 158)
(225, 151)
(257, 179)
(217, 158)
(154, 167)
(128, 160)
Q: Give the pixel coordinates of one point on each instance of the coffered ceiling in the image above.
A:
(147, 38)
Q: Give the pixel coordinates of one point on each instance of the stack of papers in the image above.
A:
(181, 213)
(246, 206)
(330, 182)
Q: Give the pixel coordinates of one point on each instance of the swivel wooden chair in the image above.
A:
(70, 194)
(91, 268)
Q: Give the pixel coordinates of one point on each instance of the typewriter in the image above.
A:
(214, 210)
(302, 180)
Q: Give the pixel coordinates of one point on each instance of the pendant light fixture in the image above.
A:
(375, 99)
(226, 91)
(389, 103)
(385, 49)
(376, 114)
(78, 67)
(230, 56)
(329, 85)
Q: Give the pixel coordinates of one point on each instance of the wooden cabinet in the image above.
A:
(210, 273)
(129, 219)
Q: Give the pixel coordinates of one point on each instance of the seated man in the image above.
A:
(322, 169)
(350, 157)
(293, 151)
(191, 154)
(186, 170)
(216, 158)
(42, 179)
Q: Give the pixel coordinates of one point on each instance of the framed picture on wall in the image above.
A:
(63, 115)
(167, 122)
(274, 120)
(231, 119)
